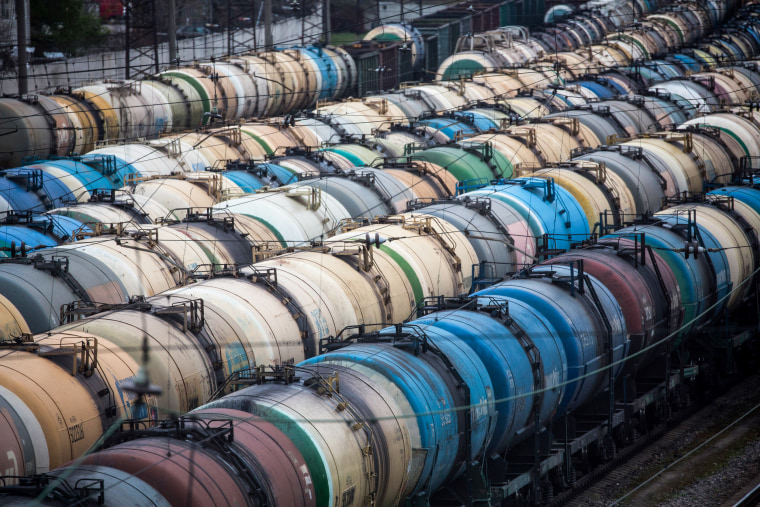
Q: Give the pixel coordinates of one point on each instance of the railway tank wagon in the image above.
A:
(672, 260)
(578, 211)
(541, 343)
(275, 313)
(716, 46)
(694, 166)
(12, 323)
(621, 235)
(526, 247)
(524, 145)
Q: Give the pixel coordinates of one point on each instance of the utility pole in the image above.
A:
(326, 27)
(239, 38)
(127, 41)
(268, 25)
(21, 15)
(229, 28)
(173, 56)
(254, 22)
(141, 39)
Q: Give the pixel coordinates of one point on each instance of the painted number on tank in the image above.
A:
(480, 410)
(76, 432)
(13, 470)
(446, 417)
(306, 477)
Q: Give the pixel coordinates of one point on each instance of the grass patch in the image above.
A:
(340, 38)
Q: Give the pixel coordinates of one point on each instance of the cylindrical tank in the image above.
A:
(649, 312)
(295, 214)
(127, 113)
(735, 243)
(355, 296)
(123, 210)
(279, 466)
(26, 130)
(33, 289)
(677, 164)
(251, 325)
(419, 388)
(359, 198)
(548, 208)
(508, 364)
(599, 192)
(745, 202)
(177, 361)
(189, 475)
(744, 132)
(694, 276)
(333, 440)
(12, 323)
(480, 162)
(86, 123)
(68, 422)
(202, 94)
(177, 195)
(401, 32)
(697, 229)
(579, 323)
(632, 167)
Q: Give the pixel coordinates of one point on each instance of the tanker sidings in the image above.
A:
(452, 293)
(637, 280)
(403, 411)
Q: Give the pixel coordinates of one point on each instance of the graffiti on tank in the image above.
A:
(323, 330)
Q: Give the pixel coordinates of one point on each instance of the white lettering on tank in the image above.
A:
(551, 379)
(12, 458)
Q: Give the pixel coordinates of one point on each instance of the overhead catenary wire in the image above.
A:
(360, 234)
(145, 156)
(453, 109)
(252, 418)
(460, 155)
(575, 380)
(665, 28)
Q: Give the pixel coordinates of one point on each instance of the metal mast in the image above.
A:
(141, 44)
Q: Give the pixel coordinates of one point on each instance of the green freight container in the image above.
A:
(540, 11)
(508, 14)
(406, 65)
(452, 28)
(441, 30)
(431, 57)
(367, 65)
(465, 25)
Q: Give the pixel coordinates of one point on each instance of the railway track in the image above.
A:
(750, 499)
(659, 447)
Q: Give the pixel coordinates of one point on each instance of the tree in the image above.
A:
(64, 25)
